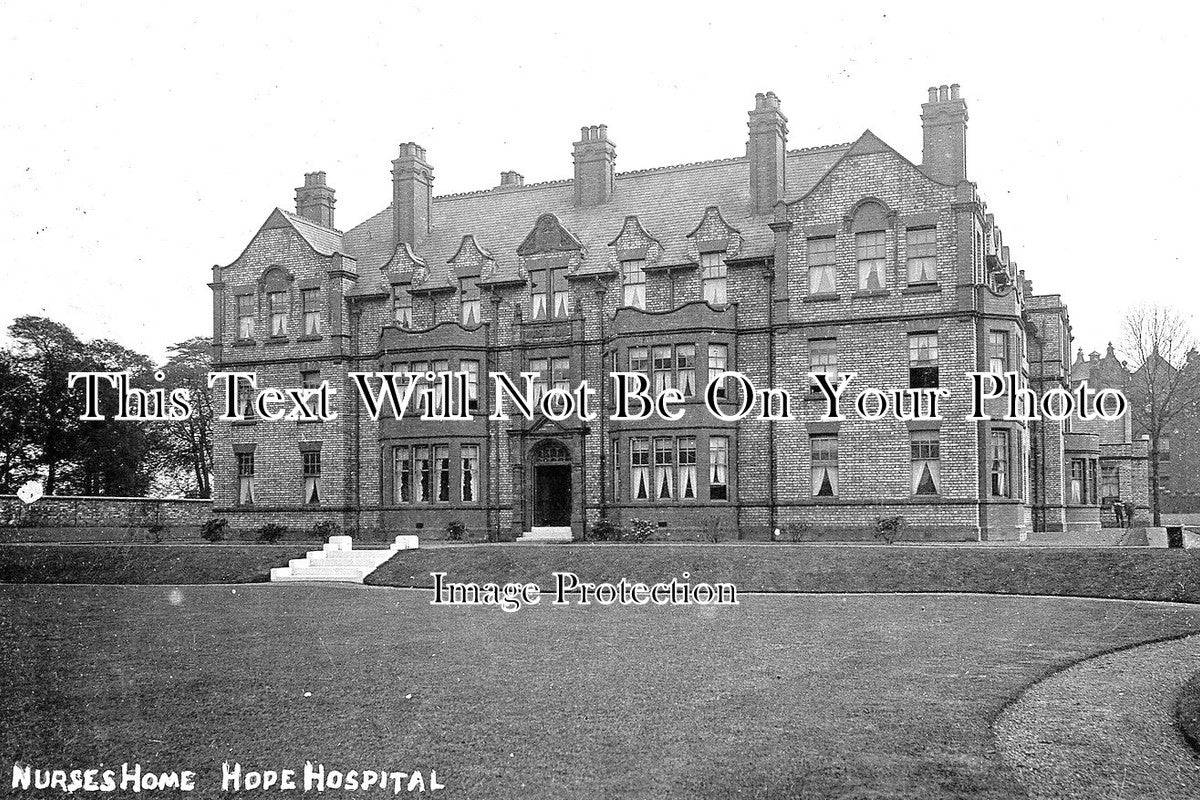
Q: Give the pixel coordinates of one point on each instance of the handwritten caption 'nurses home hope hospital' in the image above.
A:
(729, 396)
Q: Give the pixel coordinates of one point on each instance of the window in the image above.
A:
(869, 246)
(424, 473)
(311, 379)
(639, 468)
(548, 293)
(712, 277)
(822, 266)
(470, 472)
(1078, 479)
(921, 245)
(401, 475)
(1001, 475)
(542, 367)
(402, 307)
(1164, 449)
(687, 468)
(926, 462)
(471, 368)
(616, 468)
(439, 388)
(823, 358)
(1110, 480)
(662, 365)
(441, 457)
(824, 450)
(311, 461)
(639, 359)
(718, 362)
(633, 275)
(424, 391)
(997, 352)
(718, 460)
(923, 360)
(685, 369)
(278, 304)
(560, 373)
(469, 302)
(246, 408)
(310, 305)
(245, 313)
(245, 473)
(664, 469)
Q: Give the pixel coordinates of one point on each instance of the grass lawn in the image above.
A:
(143, 564)
(1132, 573)
(781, 696)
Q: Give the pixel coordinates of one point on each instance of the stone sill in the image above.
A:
(822, 298)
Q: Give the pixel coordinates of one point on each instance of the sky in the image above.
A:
(140, 144)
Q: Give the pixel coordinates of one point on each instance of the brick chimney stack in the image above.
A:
(314, 200)
(595, 166)
(767, 152)
(944, 122)
(511, 180)
(412, 195)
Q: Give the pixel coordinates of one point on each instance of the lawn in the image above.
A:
(781, 696)
(1134, 573)
(143, 564)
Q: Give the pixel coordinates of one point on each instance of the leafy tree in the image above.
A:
(187, 447)
(18, 459)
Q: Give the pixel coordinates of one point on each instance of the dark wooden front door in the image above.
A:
(552, 495)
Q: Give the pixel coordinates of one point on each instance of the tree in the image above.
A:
(187, 452)
(18, 458)
(1163, 387)
(45, 353)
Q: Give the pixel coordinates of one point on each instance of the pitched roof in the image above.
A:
(668, 202)
(325, 241)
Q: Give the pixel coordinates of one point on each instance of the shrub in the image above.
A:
(156, 532)
(712, 529)
(888, 528)
(214, 529)
(271, 532)
(455, 530)
(325, 529)
(798, 531)
(603, 531)
(639, 530)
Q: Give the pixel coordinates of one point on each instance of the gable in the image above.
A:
(548, 236)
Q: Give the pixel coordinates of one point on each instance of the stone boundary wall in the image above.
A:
(68, 518)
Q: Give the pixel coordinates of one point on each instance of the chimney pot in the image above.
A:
(595, 171)
(766, 151)
(412, 195)
(954, 87)
(944, 129)
(314, 200)
(511, 178)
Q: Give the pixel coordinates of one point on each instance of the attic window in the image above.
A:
(469, 302)
(549, 296)
(402, 307)
(712, 277)
(634, 276)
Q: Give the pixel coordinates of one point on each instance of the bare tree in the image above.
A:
(1156, 341)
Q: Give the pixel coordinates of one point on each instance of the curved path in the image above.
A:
(1105, 727)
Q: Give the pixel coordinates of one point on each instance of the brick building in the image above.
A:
(843, 257)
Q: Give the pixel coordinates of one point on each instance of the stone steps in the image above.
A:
(337, 560)
(546, 534)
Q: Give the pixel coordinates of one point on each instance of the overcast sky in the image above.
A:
(140, 147)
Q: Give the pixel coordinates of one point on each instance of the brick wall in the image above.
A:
(99, 518)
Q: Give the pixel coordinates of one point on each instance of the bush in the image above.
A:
(156, 532)
(639, 530)
(798, 531)
(603, 531)
(325, 529)
(888, 528)
(215, 529)
(456, 530)
(271, 532)
(712, 529)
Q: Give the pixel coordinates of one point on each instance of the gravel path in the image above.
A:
(1105, 728)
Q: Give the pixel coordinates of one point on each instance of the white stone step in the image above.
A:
(338, 561)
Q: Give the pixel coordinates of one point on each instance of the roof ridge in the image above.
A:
(307, 221)
(819, 147)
